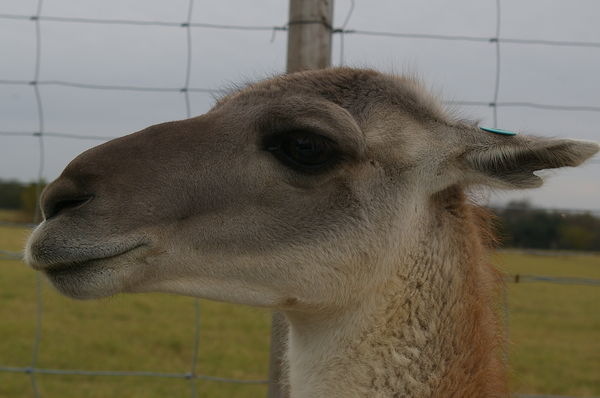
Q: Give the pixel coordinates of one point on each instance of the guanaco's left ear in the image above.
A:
(511, 161)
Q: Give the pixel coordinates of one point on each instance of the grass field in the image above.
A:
(554, 332)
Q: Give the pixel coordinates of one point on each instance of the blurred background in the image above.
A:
(75, 73)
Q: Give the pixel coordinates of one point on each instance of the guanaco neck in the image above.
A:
(431, 331)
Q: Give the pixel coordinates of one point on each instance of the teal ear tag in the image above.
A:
(497, 131)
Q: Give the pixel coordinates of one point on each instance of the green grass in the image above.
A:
(554, 331)
(147, 332)
(15, 216)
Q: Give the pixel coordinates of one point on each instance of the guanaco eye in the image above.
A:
(302, 150)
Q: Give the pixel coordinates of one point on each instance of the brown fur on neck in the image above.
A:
(476, 366)
(432, 330)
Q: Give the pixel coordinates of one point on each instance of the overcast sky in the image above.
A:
(155, 56)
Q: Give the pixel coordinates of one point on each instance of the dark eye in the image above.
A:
(302, 150)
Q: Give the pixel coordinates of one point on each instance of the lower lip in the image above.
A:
(69, 268)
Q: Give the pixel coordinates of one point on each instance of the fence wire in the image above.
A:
(185, 89)
(40, 134)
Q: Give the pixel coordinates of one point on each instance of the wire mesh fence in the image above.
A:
(41, 134)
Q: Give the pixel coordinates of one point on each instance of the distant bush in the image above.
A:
(15, 195)
(10, 194)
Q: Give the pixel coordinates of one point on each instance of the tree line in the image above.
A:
(522, 225)
(519, 224)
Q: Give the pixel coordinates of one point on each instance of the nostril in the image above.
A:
(57, 206)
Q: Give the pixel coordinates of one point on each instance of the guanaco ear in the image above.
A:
(510, 162)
